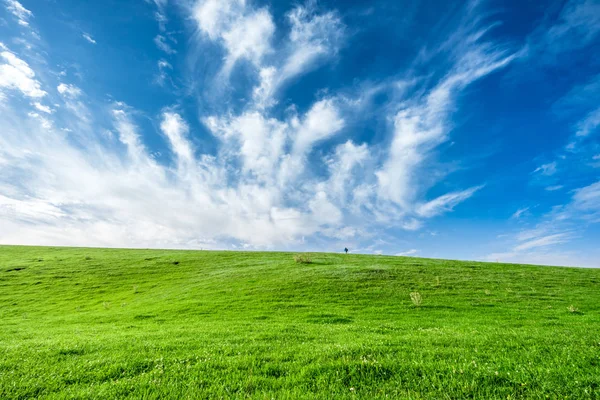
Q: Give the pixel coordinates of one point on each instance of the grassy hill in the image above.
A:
(98, 323)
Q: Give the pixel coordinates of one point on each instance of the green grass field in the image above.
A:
(98, 323)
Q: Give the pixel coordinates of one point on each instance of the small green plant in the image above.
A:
(416, 298)
(572, 309)
(302, 259)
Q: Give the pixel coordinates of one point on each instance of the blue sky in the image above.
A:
(430, 128)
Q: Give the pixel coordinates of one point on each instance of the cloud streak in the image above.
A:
(22, 14)
(16, 74)
(89, 38)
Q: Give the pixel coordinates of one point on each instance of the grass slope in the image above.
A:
(98, 323)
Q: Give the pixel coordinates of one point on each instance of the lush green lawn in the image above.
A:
(97, 323)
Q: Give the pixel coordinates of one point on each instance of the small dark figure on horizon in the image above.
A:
(346, 250)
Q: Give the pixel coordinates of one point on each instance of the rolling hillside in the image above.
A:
(99, 323)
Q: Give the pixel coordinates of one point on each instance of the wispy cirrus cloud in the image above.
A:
(576, 26)
(548, 169)
(16, 74)
(520, 212)
(88, 37)
(160, 13)
(569, 33)
(68, 90)
(40, 107)
(589, 124)
(423, 122)
(581, 102)
(542, 241)
(244, 32)
(313, 37)
(410, 252)
(163, 68)
(161, 42)
(22, 14)
(444, 203)
(562, 225)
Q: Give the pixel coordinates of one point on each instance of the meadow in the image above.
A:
(156, 324)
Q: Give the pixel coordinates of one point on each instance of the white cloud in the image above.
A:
(407, 253)
(68, 90)
(578, 25)
(259, 141)
(444, 203)
(324, 212)
(215, 16)
(161, 3)
(519, 213)
(554, 188)
(160, 14)
(163, 66)
(545, 256)
(31, 210)
(245, 33)
(540, 245)
(321, 122)
(89, 38)
(249, 38)
(313, 37)
(44, 122)
(587, 199)
(23, 15)
(73, 102)
(176, 130)
(547, 169)
(342, 168)
(162, 20)
(423, 123)
(548, 240)
(560, 226)
(128, 135)
(43, 108)
(15, 74)
(589, 124)
(161, 42)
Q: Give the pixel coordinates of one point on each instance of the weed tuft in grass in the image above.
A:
(416, 298)
(302, 259)
(572, 309)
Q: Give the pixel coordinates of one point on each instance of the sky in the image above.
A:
(461, 130)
